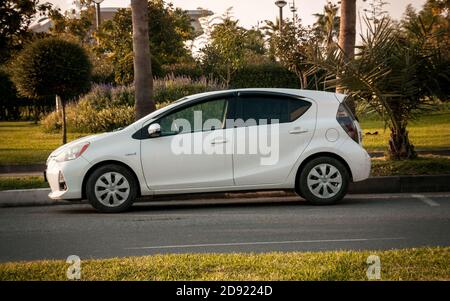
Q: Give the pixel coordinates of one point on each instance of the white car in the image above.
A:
(232, 140)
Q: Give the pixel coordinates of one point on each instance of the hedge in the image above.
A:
(264, 76)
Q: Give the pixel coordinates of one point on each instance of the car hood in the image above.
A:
(90, 138)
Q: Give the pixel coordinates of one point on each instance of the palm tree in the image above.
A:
(327, 24)
(347, 36)
(270, 30)
(347, 28)
(143, 80)
(391, 75)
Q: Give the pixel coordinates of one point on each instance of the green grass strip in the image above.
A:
(404, 264)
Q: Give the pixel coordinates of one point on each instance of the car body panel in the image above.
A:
(164, 173)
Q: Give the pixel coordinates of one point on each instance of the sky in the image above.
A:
(250, 12)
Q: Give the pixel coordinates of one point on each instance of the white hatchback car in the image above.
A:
(233, 140)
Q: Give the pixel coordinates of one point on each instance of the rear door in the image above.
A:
(275, 129)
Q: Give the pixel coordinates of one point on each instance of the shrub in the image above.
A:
(264, 76)
(106, 107)
(191, 70)
(124, 69)
(103, 73)
(50, 67)
(171, 88)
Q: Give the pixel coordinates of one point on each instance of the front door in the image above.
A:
(188, 153)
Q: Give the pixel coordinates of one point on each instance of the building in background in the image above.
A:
(196, 15)
(44, 24)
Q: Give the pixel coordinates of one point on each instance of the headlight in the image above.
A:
(72, 152)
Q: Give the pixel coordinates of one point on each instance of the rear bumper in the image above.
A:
(357, 159)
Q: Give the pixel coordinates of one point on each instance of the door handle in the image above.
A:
(297, 130)
(219, 141)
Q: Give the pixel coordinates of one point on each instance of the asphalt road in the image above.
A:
(244, 225)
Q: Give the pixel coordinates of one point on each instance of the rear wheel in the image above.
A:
(111, 188)
(324, 181)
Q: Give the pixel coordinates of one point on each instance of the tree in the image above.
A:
(347, 28)
(50, 67)
(429, 29)
(230, 47)
(270, 30)
(143, 80)
(391, 75)
(291, 48)
(347, 36)
(376, 10)
(8, 97)
(79, 28)
(327, 23)
(15, 18)
(168, 29)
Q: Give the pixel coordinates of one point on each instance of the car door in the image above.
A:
(279, 142)
(189, 153)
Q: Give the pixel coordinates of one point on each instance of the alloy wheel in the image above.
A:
(324, 181)
(112, 189)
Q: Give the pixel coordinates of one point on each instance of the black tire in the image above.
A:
(328, 180)
(123, 203)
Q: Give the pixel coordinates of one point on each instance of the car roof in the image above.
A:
(321, 96)
(297, 92)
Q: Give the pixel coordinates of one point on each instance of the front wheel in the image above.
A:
(111, 188)
(324, 181)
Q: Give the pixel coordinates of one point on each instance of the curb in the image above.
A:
(26, 197)
(375, 185)
(402, 184)
(6, 169)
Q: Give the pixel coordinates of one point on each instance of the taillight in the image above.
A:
(347, 122)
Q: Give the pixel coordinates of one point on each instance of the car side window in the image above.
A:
(211, 115)
(270, 108)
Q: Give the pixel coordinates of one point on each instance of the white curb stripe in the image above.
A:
(265, 243)
(426, 200)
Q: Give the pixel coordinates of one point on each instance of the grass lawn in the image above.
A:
(423, 165)
(25, 143)
(431, 131)
(405, 264)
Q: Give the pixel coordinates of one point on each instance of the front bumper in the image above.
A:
(66, 178)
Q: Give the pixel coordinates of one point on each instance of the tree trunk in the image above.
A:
(57, 103)
(347, 28)
(143, 80)
(64, 125)
(399, 145)
(302, 79)
(347, 32)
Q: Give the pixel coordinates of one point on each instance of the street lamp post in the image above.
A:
(281, 4)
(293, 10)
(97, 12)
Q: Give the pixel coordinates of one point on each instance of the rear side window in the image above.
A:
(269, 108)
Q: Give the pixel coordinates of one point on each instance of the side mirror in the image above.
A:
(154, 130)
